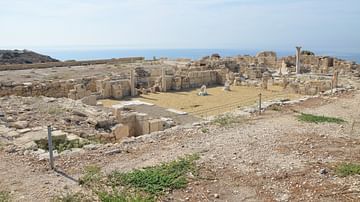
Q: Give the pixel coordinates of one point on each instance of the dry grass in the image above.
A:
(217, 102)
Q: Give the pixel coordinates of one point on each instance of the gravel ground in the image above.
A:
(272, 157)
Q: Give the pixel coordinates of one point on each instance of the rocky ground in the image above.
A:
(272, 157)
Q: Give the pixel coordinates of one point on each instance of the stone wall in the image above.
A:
(133, 124)
(49, 88)
(113, 88)
(311, 87)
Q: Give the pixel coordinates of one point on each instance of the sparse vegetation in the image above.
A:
(157, 179)
(204, 130)
(61, 144)
(225, 120)
(73, 197)
(307, 52)
(275, 108)
(143, 185)
(92, 174)
(347, 169)
(124, 197)
(318, 119)
(4, 196)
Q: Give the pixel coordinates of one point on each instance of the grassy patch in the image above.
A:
(124, 197)
(347, 169)
(225, 120)
(319, 119)
(157, 179)
(68, 198)
(92, 175)
(142, 185)
(4, 196)
(73, 197)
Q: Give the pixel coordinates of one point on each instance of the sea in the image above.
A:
(172, 53)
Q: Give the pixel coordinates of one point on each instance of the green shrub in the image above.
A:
(157, 179)
(318, 119)
(92, 174)
(344, 170)
(61, 144)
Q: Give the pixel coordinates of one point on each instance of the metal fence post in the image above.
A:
(260, 103)
(50, 147)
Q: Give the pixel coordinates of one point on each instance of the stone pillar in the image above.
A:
(298, 65)
(335, 79)
(163, 80)
(132, 82)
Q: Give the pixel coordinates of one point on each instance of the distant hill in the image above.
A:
(23, 57)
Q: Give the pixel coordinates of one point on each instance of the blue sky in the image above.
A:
(331, 25)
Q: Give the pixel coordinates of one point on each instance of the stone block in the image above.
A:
(142, 124)
(79, 87)
(121, 131)
(155, 125)
(89, 100)
(58, 135)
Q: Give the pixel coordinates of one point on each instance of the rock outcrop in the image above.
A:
(23, 57)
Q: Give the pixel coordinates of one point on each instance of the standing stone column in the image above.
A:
(163, 80)
(132, 82)
(298, 65)
(335, 79)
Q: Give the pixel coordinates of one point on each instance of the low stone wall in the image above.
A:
(312, 87)
(55, 89)
(134, 124)
(113, 88)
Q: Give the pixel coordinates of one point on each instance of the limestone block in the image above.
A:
(58, 135)
(117, 113)
(155, 125)
(107, 89)
(142, 124)
(89, 100)
(126, 118)
(117, 92)
(79, 87)
(177, 83)
(121, 131)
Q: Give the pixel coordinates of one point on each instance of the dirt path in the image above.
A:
(26, 181)
(269, 158)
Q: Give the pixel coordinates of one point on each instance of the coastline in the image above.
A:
(93, 54)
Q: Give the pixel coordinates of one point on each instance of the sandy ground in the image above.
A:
(272, 157)
(217, 102)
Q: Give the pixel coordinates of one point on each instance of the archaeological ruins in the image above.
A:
(110, 100)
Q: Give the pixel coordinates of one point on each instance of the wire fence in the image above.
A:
(236, 104)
